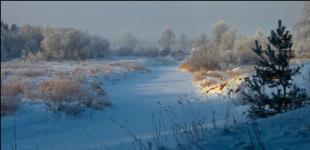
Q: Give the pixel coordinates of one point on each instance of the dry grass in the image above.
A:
(16, 65)
(186, 67)
(128, 65)
(29, 72)
(217, 74)
(199, 75)
(63, 86)
(72, 95)
(214, 81)
(57, 90)
(11, 88)
(10, 97)
(84, 70)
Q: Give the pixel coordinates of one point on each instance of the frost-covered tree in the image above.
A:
(99, 47)
(167, 41)
(14, 28)
(272, 88)
(54, 43)
(206, 56)
(200, 40)
(244, 43)
(183, 43)
(11, 42)
(302, 28)
(32, 38)
(68, 43)
(224, 35)
(149, 50)
(129, 41)
(228, 40)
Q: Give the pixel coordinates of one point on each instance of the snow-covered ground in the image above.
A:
(134, 100)
(287, 131)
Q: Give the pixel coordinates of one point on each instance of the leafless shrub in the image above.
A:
(205, 57)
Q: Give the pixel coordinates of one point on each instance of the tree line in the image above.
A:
(223, 46)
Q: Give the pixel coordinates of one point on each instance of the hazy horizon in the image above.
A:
(147, 19)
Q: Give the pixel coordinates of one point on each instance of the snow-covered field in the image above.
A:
(134, 100)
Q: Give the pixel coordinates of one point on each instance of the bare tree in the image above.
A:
(224, 35)
(206, 56)
(244, 45)
(129, 41)
(200, 40)
(167, 41)
(183, 42)
(302, 29)
(68, 43)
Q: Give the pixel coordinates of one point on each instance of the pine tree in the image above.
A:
(271, 85)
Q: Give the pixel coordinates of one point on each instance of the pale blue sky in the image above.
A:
(147, 19)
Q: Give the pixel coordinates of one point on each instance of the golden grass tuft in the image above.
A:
(59, 89)
(11, 88)
(10, 98)
(186, 67)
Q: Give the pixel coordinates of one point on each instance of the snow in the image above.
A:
(290, 130)
(134, 100)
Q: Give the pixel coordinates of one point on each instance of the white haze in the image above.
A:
(147, 19)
